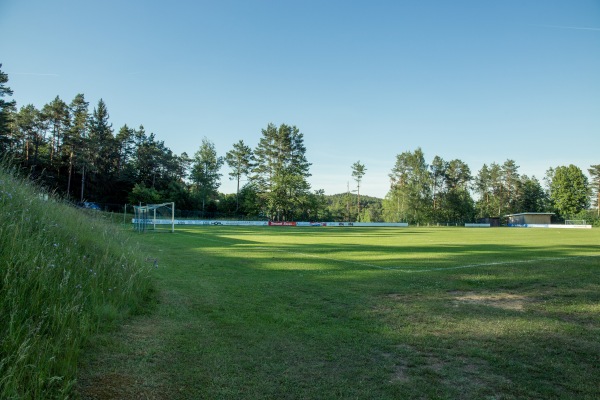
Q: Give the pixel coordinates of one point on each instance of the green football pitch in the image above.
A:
(366, 313)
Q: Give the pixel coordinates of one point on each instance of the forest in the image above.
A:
(73, 150)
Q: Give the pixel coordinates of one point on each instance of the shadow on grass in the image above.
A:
(396, 254)
(241, 318)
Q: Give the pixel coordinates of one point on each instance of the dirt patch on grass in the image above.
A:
(505, 301)
(119, 386)
(400, 374)
(401, 296)
(121, 365)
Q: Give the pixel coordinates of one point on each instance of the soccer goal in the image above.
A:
(154, 217)
(575, 222)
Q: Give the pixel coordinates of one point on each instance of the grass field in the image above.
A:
(361, 313)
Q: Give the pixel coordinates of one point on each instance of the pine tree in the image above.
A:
(510, 183)
(438, 170)
(76, 141)
(455, 203)
(280, 172)
(7, 109)
(358, 171)
(239, 159)
(205, 171)
(103, 150)
(57, 115)
(532, 197)
(125, 147)
(32, 128)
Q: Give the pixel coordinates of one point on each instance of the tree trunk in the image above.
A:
(358, 203)
(237, 195)
(82, 181)
(70, 173)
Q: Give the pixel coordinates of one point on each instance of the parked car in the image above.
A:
(90, 205)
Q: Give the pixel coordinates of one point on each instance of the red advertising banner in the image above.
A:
(284, 223)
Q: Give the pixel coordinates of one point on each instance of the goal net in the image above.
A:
(575, 222)
(154, 218)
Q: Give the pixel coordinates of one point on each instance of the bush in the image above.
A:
(63, 275)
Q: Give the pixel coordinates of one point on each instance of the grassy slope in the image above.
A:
(64, 275)
(307, 313)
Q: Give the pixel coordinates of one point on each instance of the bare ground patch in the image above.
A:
(124, 366)
(120, 386)
(505, 301)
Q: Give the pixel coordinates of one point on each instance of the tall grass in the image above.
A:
(63, 276)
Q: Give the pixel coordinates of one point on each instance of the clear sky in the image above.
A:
(482, 81)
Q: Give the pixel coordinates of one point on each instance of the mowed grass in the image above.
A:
(364, 313)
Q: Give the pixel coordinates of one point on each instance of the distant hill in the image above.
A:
(355, 196)
(344, 207)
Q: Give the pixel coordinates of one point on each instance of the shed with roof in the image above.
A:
(529, 218)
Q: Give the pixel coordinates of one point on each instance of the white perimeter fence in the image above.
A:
(267, 223)
(334, 224)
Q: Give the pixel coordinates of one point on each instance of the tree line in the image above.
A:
(77, 153)
(442, 192)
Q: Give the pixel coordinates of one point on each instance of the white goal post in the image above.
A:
(154, 217)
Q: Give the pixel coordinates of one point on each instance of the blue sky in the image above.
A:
(363, 80)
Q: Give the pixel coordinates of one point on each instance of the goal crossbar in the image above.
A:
(146, 216)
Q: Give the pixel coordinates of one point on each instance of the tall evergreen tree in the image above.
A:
(125, 148)
(510, 186)
(103, 150)
(184, 164)
(358, 171)
(498, 189)
(57, 114)
(532, 197)
(146, 157)
(239, 159)
(205, 171)
(438, 171)
(457, 175)
(456, 204)
(482, 186)
(7, 108)
(102, 139)
(77, 143)
(280, 172)
(30, 123)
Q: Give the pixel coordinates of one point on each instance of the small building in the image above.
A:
(529, 218)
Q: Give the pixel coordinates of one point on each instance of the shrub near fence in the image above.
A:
(64, 274)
